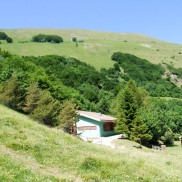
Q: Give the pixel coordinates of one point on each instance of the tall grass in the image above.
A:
(33, 152)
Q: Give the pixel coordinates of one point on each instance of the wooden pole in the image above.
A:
(180, 138)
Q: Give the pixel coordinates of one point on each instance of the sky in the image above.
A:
(161, 19)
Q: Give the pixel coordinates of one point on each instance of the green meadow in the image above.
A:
(94, 47)
(30, 151)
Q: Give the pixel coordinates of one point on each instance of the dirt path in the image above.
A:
(107, 141)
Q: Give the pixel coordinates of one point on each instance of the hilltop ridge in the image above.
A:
(95, 47)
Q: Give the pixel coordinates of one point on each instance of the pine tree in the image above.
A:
(41, 106)
(68, 117)
(32, 98)
(140, 131)
(12, 94)
(121, 124)
(128, 101)
(47, 109)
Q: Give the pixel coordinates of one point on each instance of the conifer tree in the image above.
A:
(41, 106)
(128, 101)
(32, 98)
(68, 117)
(139, 131)
(121, 124)
(12, 94)
(47, 109)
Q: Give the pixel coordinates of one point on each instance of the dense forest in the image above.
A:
(148, 75)
(45, 87)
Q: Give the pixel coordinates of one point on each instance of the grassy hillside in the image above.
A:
(96, 48)
(32, 152)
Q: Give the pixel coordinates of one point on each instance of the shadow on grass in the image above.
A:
(138, 146)
(172, 145)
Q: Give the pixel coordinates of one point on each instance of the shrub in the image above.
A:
(47, 38)
(168, 137)
(9, 40)
(176, 137)
(74, 39)
(3, 36)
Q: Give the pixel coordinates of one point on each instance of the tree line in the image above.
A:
(147, 120)
(44, 87)
(147, 75)
(51, 88)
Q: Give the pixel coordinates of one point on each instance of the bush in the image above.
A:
(47, 38)
(168, 138)
(3, 36)
(9, 40)
(176, 137)
(74, 39)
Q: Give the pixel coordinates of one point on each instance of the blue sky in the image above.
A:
(161, 19)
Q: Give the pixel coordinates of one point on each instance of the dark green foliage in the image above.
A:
(168, 137)
(116, 67)
(46, 109)
(146, 75)
(104, 102)
(140, 131)
(163, 89)
(4, 54)
(47, 38)
(41, 105)
(78, 75)
(3, 36)
(138, 69)
(126, 106)
(74, 39)
(9, 40)
(32, 98)
(12, 94)
(38, 86)
(68, 117)
(121, 124)
(46, 80)
(90, 92)
(162, 116)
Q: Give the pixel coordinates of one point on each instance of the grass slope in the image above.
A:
(97, 47)
(32, 152)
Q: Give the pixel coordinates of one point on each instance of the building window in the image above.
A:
(87, 128)
(108, 127)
